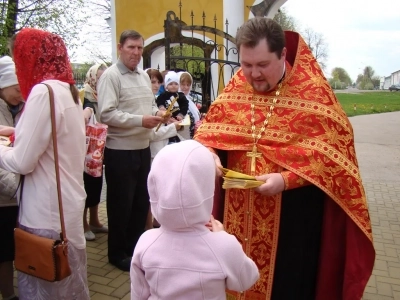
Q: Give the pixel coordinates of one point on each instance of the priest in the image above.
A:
(307, 227)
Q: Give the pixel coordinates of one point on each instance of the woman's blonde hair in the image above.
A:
(186, 78)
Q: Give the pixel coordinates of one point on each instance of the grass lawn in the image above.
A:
(369, 102)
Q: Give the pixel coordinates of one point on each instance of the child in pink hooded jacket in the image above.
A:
(184, 259)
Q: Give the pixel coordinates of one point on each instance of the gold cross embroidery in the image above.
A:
(253, 154)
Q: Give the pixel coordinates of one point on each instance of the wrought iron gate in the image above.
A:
(207, 53)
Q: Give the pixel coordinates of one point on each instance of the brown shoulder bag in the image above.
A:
(38, 256)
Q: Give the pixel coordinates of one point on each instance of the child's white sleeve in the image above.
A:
(242, 272)
(164, 132)
(140, 289)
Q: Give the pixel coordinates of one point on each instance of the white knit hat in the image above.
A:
(7, 72)
(171, 77)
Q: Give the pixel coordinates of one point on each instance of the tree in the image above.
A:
(316, 43)
(368, 72)
(376, 81)
(79, 71)
(340, 74)
(287, 22)
(54, 15)
(97, 31)
(193, 66)
(367, 80)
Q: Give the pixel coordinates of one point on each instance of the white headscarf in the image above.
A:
(7, 72)
(91, 82)
(192, 106)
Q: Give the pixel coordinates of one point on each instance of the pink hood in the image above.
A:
(181, 186)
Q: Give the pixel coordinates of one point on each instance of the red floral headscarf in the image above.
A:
(40, 55)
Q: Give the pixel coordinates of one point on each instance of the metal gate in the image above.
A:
(207, 53)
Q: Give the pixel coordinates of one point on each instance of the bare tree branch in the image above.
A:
(99, 31)
(52, 15)
(317, 45)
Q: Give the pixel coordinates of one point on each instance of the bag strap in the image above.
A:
(21, 188)
(56, 162)
(63, 233)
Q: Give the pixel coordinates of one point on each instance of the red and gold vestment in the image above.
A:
(310, 139)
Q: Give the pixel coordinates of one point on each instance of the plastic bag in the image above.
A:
(96, 134)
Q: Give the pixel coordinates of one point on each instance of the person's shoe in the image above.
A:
(89, 236)
(124, 264)
(102, 229)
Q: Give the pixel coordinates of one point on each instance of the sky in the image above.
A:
(359, 33)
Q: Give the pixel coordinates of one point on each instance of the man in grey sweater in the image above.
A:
(126, 105)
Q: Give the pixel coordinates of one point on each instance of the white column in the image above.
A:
(113, 27)
(158, 59)
(234, 13)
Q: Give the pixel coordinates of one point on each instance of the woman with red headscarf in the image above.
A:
(41, 57)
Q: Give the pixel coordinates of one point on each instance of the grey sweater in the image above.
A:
(124, 97)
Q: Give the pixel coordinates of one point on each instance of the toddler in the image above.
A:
(181, 106)
(185, 259)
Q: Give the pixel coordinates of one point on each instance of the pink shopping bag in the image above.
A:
(96, 134)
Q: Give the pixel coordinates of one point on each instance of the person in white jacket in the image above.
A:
(41, 56)
(159, 138)
(184, 258)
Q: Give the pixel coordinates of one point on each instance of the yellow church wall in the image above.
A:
(147, 16)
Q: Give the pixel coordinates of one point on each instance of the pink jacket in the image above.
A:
(183, 259)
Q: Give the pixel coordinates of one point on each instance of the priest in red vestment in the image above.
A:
(307, 227)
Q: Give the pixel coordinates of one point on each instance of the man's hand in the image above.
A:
(273, 185)
(151, 121)
(164, 115)
(6, 130)
(218, 164)
(161, 112)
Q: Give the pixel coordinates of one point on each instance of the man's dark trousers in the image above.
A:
(126, 174)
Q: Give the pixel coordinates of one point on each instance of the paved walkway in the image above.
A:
(377, 140)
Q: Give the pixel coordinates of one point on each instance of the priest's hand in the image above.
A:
(273, 185)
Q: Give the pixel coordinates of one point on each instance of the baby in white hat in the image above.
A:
(181, 105)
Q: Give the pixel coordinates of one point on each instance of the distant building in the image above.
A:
(395, 77)
(386, 82)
